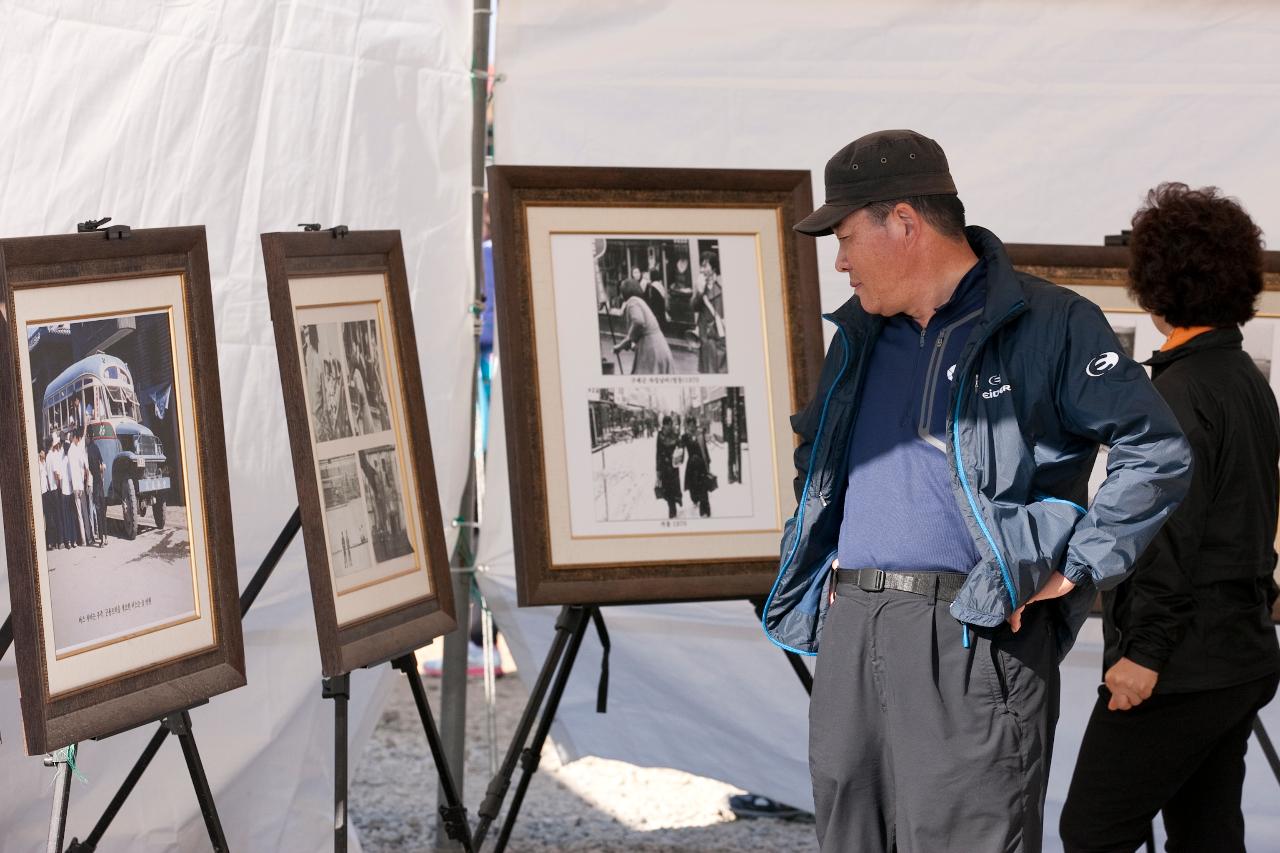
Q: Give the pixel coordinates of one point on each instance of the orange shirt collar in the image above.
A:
(1182, 334)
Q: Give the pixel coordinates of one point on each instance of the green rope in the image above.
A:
(67, 755)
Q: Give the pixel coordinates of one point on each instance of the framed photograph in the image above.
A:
(361, 449)
(1101, 274)
(657, 328)
(122, 570)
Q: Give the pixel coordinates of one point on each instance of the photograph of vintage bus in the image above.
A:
(109, 478)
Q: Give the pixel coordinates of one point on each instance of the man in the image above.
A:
(98, 470)
(66, 492)
(47, 487)
(1190, 649)
(940, 469)
(78, 465)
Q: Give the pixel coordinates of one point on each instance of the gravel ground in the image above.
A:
(589, 806)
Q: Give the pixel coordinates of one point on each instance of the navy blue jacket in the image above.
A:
(1020, 458)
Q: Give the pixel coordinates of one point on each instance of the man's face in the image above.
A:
(682, 264)
(873, 255)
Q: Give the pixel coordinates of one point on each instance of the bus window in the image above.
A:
(115, 402)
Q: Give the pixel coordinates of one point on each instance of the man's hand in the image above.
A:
(1130, 684)
(1056, 587)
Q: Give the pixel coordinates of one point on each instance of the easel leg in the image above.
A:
(180, 725)
(1268, 748)
(453, 814)
(90, 842)
(567, 624)
(530, 758)
(797, 662)
(338, 689)
(61, 795)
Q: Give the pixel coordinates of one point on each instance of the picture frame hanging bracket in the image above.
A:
(112, 232)
(336, 231)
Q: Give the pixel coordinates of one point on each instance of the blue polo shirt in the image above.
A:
(900, 511)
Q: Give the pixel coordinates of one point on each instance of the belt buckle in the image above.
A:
(877, 586)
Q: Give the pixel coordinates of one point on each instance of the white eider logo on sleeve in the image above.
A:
(1102, 364)
(951, 373)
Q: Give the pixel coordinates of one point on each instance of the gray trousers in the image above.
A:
(920, 745)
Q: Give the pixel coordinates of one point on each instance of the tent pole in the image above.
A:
(453, 689)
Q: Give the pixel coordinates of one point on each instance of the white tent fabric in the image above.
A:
(245, 117)
(1056, 118)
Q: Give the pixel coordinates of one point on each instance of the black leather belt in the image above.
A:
(939, 586)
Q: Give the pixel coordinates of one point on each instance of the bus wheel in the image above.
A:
(129, 501)
(157, 513)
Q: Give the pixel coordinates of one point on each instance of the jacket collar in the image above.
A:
(1229, 337)
(1004, 290)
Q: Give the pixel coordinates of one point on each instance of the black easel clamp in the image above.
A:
(338, 231)
(338, 685)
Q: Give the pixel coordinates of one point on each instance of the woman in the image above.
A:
(653, 355)
(667, 475)
(1190, 649)
(697, 472)
(655, 296)
(708, 307)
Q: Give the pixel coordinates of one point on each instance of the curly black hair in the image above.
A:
(1195, 257)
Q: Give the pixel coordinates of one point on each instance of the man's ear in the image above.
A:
(906, 217)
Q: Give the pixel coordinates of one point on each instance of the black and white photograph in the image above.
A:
(664, 452)
(366, 383)
(660, 306)
(385, 503)
(345, 517)
(110, 478)
(1127, 333)
(322, 364)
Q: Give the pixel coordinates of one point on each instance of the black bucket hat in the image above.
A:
(881, 166)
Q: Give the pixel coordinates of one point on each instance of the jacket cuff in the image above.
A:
(1142, 658)
(1078, 574)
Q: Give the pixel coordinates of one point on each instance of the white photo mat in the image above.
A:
(387, 584)
(560, 240)
(174, 638)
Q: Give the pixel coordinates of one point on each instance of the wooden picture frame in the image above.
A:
(119, 334)
(743, 347)
(376, 553)
(1100, 273)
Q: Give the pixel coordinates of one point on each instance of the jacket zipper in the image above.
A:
(959, 460)
(804, 493)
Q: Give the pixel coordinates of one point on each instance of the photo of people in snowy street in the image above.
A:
(666, 452)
